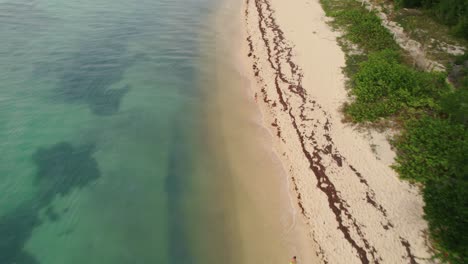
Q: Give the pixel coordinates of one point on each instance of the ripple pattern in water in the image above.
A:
(96, 100)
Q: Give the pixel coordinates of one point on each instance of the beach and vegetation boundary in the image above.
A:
(430, 114)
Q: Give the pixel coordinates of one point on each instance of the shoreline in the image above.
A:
(354, 206)
(261, 223)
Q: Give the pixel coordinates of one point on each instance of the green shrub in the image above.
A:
(425, 149)
(408, 3)
(433, 151)
(447, 212)
(453, 13)
(461, 28)
(383, 86)
(433, 146)
(460, 59)
(455, 106)
(364, 29)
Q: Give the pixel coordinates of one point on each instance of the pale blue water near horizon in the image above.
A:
(97, 112)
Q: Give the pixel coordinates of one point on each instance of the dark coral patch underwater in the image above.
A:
(61, 168)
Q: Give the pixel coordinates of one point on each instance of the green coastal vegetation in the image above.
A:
(430, 113)
(453, 13)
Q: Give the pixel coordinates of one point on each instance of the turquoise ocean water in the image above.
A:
(98, 104)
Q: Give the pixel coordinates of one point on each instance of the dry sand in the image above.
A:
(250, 194)
(352, 204)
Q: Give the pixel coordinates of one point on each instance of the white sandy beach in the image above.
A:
(354, 207)
(259, 214)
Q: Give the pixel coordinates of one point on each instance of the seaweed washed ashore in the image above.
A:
(355, 207)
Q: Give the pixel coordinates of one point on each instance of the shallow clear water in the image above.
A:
(98, 112)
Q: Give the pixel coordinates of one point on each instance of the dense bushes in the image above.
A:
(409, 3)
(383, 86)
(364, 29)
(447, 215)
(432, 149)
(455, 106)
(426, 149)
(450, 12)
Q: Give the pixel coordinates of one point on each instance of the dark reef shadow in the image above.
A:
(176, 180)
(61, 168)
(15, 230)
(90, 74)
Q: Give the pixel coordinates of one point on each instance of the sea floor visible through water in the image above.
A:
(129, 136)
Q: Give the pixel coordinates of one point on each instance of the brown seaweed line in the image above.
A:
(407, 246)
(336, 204)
